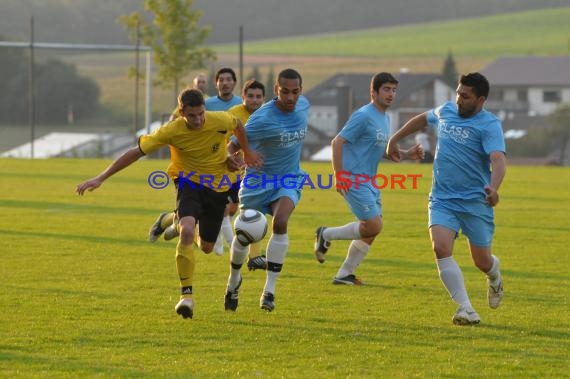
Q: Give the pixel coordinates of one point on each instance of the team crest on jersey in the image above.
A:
(290, 138)
(215, 147)
(457, 133)
(381, 138)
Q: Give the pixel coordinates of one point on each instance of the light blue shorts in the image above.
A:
(364, 201)
(258, 196)
(474, 218)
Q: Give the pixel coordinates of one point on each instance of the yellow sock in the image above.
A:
(167, 220)
(254, 249)
(196, 236)
(185, 262)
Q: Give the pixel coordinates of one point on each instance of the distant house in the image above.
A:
(527, 85)
(334, 100)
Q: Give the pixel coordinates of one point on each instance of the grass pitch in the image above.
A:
(84, 295)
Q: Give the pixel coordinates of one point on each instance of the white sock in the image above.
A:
(226, 230)
(238, 254)
(494, 274)
(219, 245)
(346, 232)
(452, 278)
(276, 252)
(270, 281)
(356, 253)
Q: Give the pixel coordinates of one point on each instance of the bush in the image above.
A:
(536, 143)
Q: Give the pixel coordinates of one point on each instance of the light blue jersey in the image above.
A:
(214, 103)
(278, 136)
(462, 166)
(366, 133)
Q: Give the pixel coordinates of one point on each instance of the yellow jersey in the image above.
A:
(198, 154)
(241, 112)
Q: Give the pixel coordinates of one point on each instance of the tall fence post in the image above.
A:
(31, 98)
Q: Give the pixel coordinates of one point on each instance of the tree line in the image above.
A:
(61, 94)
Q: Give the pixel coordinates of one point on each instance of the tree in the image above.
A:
(14, 95)
(174, 36)
(58, 90)
(534, 144)
(560, 131)
(61, 90)
(449, 72)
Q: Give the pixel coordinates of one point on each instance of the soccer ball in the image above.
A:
(250, 226)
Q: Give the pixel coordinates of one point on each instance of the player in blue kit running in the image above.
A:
(276, 131)
(356, 153)
(468, 170)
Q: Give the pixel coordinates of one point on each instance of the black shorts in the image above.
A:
(233, 193)
(205, 205)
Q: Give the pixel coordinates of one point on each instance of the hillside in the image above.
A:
(88, 21)
(536, 32)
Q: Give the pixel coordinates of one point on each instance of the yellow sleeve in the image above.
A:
(234, 123)
(240, 112)
(175, 114)
(157, 139)
(231, 121)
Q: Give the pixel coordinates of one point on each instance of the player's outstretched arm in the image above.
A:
(250, 157)
(337, 143)
(414, 153)
(415, 124)
(125, 160)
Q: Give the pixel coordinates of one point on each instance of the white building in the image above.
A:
(528, 85)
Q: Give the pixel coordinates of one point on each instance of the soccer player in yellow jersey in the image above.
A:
(166, 223)
(253, 94)
(198, 163)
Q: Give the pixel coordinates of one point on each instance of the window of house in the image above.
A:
(522, 95)
(551, 96)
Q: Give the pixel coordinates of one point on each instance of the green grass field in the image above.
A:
(536, 32)
(84, 295)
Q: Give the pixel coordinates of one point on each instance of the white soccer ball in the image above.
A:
(250, 226)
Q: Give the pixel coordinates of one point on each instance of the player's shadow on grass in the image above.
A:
(75, 237)
(558, 334)
(55, 206)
